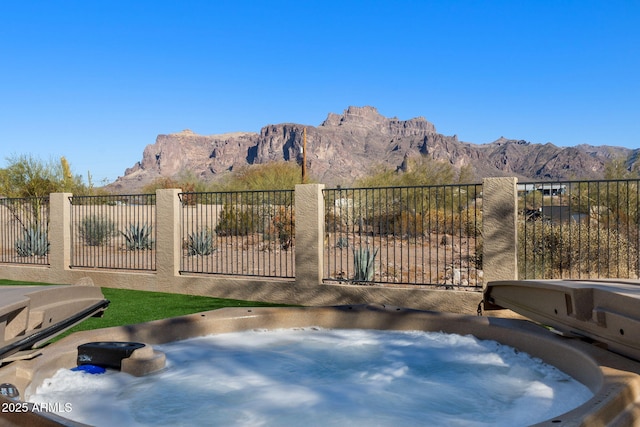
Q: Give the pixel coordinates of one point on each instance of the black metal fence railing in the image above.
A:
(24, 230)
(116, 232)
(428, 235)
(248, 233)
(579, 229)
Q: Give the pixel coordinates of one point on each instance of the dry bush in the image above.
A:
(415, 224)
(575, 250)
(281, 227)
(235, 222)
(402, 224)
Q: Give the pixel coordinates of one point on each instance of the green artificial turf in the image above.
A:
(129, 307)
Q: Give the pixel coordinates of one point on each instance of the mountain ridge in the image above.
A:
(345, 146)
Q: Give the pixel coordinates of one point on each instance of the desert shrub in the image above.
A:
(29, 176)
(333, 222)
(281, 227)
(476, 258)
(96, 230)
(471, 221)
(415, 224)
(466, 223)
(269, 176)
(576, 250)
(440, 222)
(411, 224)
(186, 181)
(338, 219)
(403, 224)
(34, 241)
(420, 170)
(235, 222)
(138, 236)
(201, 242)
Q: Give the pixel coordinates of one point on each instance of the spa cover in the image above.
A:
(31, 315)
(606, 311)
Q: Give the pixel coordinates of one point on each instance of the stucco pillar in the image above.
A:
(59, 232)
(500, 232)
(168, 236)
(309, 234)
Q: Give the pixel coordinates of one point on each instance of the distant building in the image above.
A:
(555, 215)
(546, 189)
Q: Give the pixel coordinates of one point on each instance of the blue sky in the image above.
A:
(96, 81)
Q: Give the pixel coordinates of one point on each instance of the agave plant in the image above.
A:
(138, 236)
(201, 242)
(34, 242)
(364, 264)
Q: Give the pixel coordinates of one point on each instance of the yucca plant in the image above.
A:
(96, 230)
(201, 242)
(364, 264)
(138, 237)
(34, 242)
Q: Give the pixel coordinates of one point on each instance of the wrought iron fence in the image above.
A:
(116, 232)
(579, 229)
(428, 235)
(24, 228)
(248, 233)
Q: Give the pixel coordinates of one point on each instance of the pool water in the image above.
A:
(323, 377)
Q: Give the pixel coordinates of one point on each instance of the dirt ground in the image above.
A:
(442, 260)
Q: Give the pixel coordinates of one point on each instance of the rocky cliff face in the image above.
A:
(346, 146)
(206, 157)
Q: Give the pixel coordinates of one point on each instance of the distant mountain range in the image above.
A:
(346, 146)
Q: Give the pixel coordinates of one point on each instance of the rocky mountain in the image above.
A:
(346, 146)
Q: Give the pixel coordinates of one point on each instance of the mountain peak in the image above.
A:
(353, 114)
(369, 117)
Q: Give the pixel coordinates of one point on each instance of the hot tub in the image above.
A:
(613, 379)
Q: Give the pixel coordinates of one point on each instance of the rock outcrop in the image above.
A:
(346, 146)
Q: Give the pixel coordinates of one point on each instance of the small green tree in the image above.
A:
(268, 176)
(28, 176)
(617, 169)
(467, 175)
(416, 171)
(187, 181)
